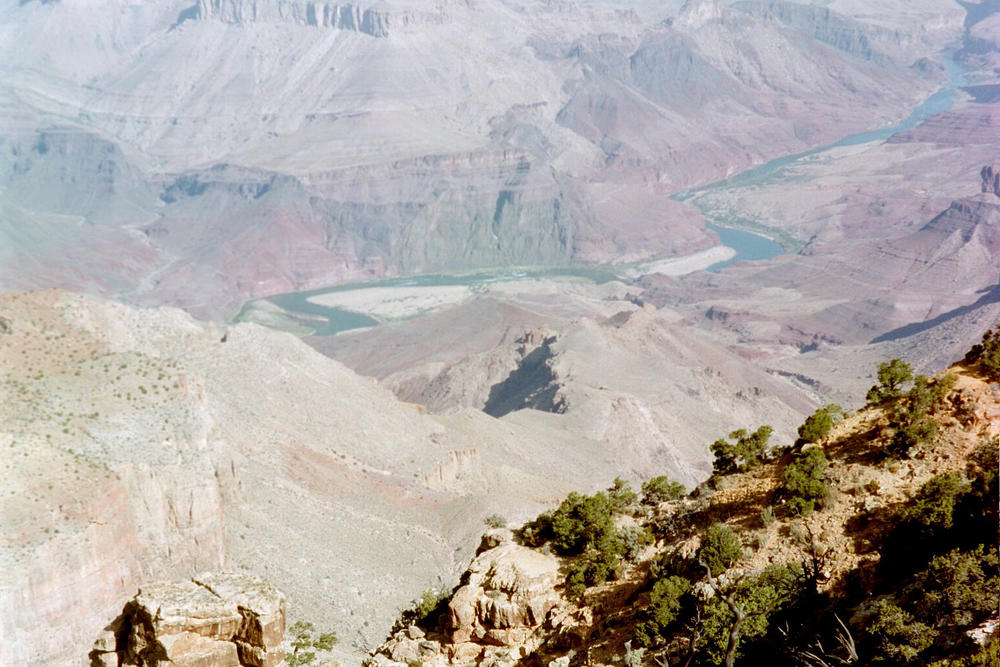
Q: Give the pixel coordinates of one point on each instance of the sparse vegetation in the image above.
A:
(305, 643)
(720, 548)
(741, 451)
(804, 481)
(660, 490)
(495, 521)
(892, 376)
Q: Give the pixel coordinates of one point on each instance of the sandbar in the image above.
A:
(679, 266)
(395, 303)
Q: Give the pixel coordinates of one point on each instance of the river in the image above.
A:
(752, 246)
(302, 315)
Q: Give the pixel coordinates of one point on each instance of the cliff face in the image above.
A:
(375, 21)
(506, 608)
(212, 620)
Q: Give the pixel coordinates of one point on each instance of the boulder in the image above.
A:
(510, 593)
(212, 620)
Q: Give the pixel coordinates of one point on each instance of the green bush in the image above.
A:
(424, 612)
(305, 645)
(898, 637)
(958, 588)
(742, 453)
(660, 490)
(666, 602)
(581, 521)
(987, 353)
(622, 495)
(818, 424)
(634, 539)
(926, 525)
(933, 507)
(495, 521)
(892, 375)
(912, 417)
(761, 597)
(536, 532)
(804, 481)
(583, 527)
(720, 548)
(599, 563)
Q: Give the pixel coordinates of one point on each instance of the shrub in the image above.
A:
(536, 532)
(912, 417)
(634, 539)
(742, 453)
(666, 602)
(898, 637)
(892, 375)
(425, 611)
(305, 645)
(934, 505)
(804, 481)
(767, 516)
(720, 548)
(760, 598)
(581, 521)
(582, 526)
(818, 424)
(495, 521)
(660, 489)
(925, 528)
(987, 353)
(597, 564)
(622, 495)
(959, 588)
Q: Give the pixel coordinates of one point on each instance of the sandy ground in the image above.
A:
(393, 303)
(679, 266)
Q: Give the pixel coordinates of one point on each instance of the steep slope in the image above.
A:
(144, 445)
(513, 606)
(638, 380)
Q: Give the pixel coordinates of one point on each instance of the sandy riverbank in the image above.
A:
(394, 303)
(679, 266)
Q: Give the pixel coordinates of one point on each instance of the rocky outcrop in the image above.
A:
(373, 21)
(533, 384)
(991, 179)
(507, 606)
(213, 620)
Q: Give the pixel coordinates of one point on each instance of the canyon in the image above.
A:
(522, 210)
(151, 165)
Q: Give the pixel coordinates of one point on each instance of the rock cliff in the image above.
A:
(212, 620)
(374, 21)
(506, 606)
